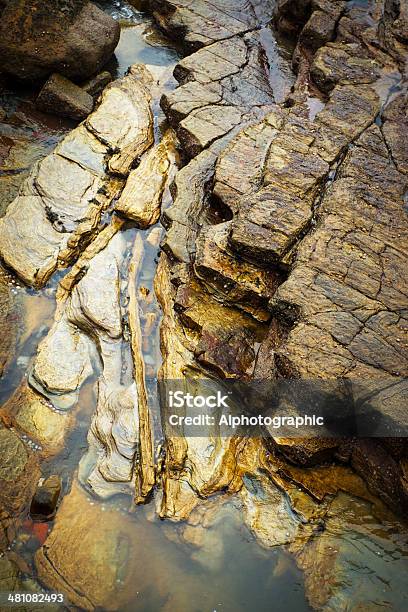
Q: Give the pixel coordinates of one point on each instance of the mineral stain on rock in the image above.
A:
(281, 190)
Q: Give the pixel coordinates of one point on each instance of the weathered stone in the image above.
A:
(343, 64)
(381, 472)
(265, 512)
(96, 84)
(247, 152)
(32, 414)
(206, 22)
(59, 206)
(359, 280)
(9, 320)
(221, 85)
(142, 196)
(19, 474)
(333, 554)
(318, 30)
(44, 503)
(38, 38)
(60, 96)
(124, 120)
(145, 468)
(239, 283)
(268, 225)
(62, 379)
(63, 562)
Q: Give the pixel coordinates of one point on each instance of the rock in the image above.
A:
(44, 503)
(353, 308)
(10, 576)
(19, 474)
(343, 64)
(89, 323)
(272, 214)
(38, 39)
(190, 195)
(206, 22)
(382, 473)
(62, 381)
(32, 414)
(9, 322)
(96, 84)
(333, 553)
(59, 206)
(59, 96)
(142, 196)
(63, 562)
(124, 120)
(265, 512)
(319, 30)
(222, 86)
(239, 283)
(303, 451)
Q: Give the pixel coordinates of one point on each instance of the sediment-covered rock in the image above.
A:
(59, 206)
(39, 37)
(63, 562)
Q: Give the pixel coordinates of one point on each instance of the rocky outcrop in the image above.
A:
(34, 416)
(40, 37)
(97, 321)
(203, 22)
(59, 206)
(286, 220)
(221, 87)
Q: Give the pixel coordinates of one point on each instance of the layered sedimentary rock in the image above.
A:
(59, 206)
(202, 23)
(142, 195)
(290, 221)
(221, 86)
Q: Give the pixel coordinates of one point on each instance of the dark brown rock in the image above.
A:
(380, 471)
(19, 473)
(44, 503)
(96, 84)
(343, 63)
(39, 37)
(59, 96)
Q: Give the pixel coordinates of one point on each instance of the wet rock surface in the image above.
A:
(66, 193)
(202, 23)
(299, 198)
(283, 256)
(221, 86)
(44, 503)
(38, 38)
(19, 472)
